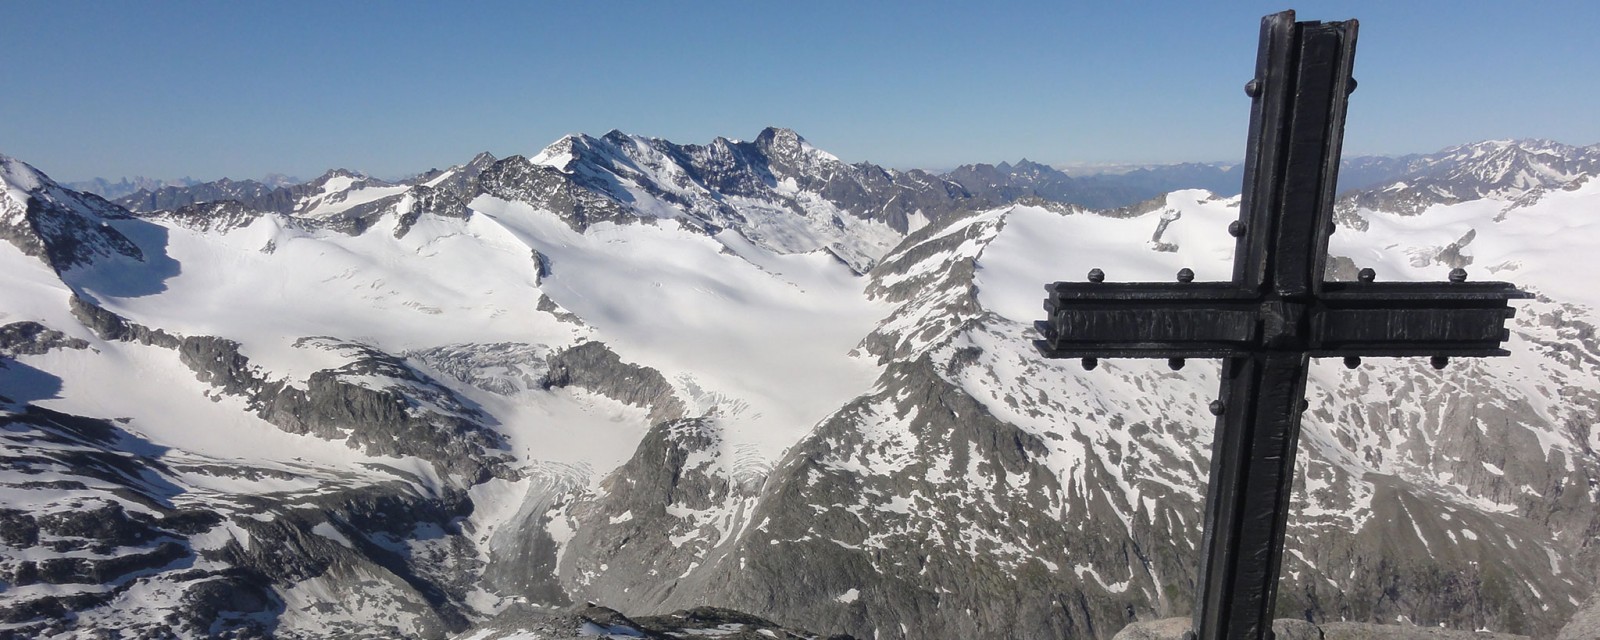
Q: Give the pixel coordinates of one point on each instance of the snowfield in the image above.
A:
(658, 376)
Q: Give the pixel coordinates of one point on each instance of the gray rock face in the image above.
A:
(217, 216)
(518, 180)
(934, 302)
(110, 326)
(875, 521)
(62, 228)
(1584, 625)
(447, 200)
(407, 414)
(32, 338)
(108, 518)
(352, 538)
(655, 520)
(595, 367)
(411, 414)
(1289, 629)
(591, 620)
(1164, 629)
(523, 554)
(1365, 631)
(98, 541)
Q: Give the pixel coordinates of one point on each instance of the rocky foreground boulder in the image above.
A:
(1288, 629)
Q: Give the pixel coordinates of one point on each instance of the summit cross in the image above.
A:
(1274, 316)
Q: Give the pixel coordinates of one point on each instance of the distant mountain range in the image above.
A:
(127, 186)
(1002, 183)
(747, 375)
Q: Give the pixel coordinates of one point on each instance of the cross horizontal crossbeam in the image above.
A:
(1223, 319)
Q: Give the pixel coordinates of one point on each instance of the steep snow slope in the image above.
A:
(1543, 245)
(759, 339)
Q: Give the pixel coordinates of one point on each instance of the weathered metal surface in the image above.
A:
(1162, 320)
(1273, 317)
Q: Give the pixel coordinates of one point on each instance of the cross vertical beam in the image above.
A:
(1247, 498)
(1303, 76)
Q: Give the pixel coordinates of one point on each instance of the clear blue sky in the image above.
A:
(241, 89)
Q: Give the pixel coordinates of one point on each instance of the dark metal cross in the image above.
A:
(1274, 316)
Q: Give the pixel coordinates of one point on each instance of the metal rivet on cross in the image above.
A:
(1272, 317)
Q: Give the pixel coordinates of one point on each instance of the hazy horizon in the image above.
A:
(211, 90)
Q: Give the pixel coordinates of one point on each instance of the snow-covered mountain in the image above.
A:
(742, 374)
(1500, 168)
(1506, 170)
(1006, 183)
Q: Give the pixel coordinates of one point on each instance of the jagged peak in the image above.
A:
(561, 153)
(566, 141)
(586, 142)
(343, 173)
(1028, 166)
(779, 136)
(1536, 146)
(777, 140)
(782, 142)
(335, 175)
(483, 160)
(21, 175)
(1007, 167)
(477, 164)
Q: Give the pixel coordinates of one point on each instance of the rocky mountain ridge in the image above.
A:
(1509, 170)
(1006, 182)
(1456, 174)
(741, 374)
